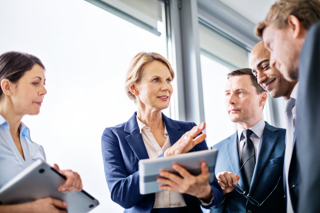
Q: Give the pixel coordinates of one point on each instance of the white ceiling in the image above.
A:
(253, 10)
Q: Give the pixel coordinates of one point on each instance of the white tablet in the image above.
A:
(149, 169)
(40, 180)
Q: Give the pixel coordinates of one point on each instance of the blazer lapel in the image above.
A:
(233, 153)
(134, 139)
(173, 129)
(268, 141)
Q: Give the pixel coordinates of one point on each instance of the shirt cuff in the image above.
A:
(206, 204)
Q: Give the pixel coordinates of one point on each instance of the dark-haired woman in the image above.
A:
(22, 90)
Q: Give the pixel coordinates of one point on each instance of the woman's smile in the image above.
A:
(164, 98)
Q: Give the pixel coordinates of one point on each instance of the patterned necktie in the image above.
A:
(289, 147)
(247, 158)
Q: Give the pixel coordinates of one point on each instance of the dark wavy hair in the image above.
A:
(14, 64)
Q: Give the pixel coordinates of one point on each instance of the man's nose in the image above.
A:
(261, 77)
(231, 99)
(272, 62)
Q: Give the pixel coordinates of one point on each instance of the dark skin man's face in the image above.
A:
(270, 78)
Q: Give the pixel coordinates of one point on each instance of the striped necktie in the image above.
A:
(247, 158)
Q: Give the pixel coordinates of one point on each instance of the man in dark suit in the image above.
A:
(249, 166)
(271, 79)
(285, 33)
(308, 124)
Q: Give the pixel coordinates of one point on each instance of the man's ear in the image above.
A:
(294, 26)
(133, 89)
(6, 87)
(264, 98)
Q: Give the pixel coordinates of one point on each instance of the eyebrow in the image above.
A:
(258, 65)
(38, 78)
(158, 76)
(237, 90)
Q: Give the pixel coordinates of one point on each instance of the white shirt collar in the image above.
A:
(294, 93)
(257, 129)
(142, 125)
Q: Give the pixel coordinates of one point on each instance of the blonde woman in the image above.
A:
(149, 134)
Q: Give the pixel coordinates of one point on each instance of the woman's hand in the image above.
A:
(187, 141)
(227, 180)
(49, 205)
(73, 182)
(197, 186)
(44, 205)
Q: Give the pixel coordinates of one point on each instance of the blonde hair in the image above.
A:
(135, 71)
(307, 11)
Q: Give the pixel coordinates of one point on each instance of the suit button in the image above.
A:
(249, 211)
(293, 186)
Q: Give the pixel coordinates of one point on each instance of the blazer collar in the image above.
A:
(268, 141)
(173, 129)
(131, 125)
(134, 138)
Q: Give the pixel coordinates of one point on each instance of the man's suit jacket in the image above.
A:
(294, 178)
(268, 170)
(308, 122)
(123, 147)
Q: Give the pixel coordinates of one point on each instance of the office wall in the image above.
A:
(86, 52)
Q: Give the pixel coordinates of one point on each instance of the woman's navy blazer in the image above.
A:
(123, 147)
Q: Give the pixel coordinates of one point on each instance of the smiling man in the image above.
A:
(249, 166)
(270, 78)
(291, 31)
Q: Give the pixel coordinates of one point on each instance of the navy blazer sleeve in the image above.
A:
(308, 122)
(124, 187)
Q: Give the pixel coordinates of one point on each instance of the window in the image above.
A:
(218, 124)
(86, 52)
(219, 56)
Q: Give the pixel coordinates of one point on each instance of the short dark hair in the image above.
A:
(14, 64)
(247, 71)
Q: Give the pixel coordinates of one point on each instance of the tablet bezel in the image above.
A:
(149, 169)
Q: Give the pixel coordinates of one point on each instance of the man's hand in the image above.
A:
(227, 180)
(197, 186)
(73, 182)
(187, 141)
